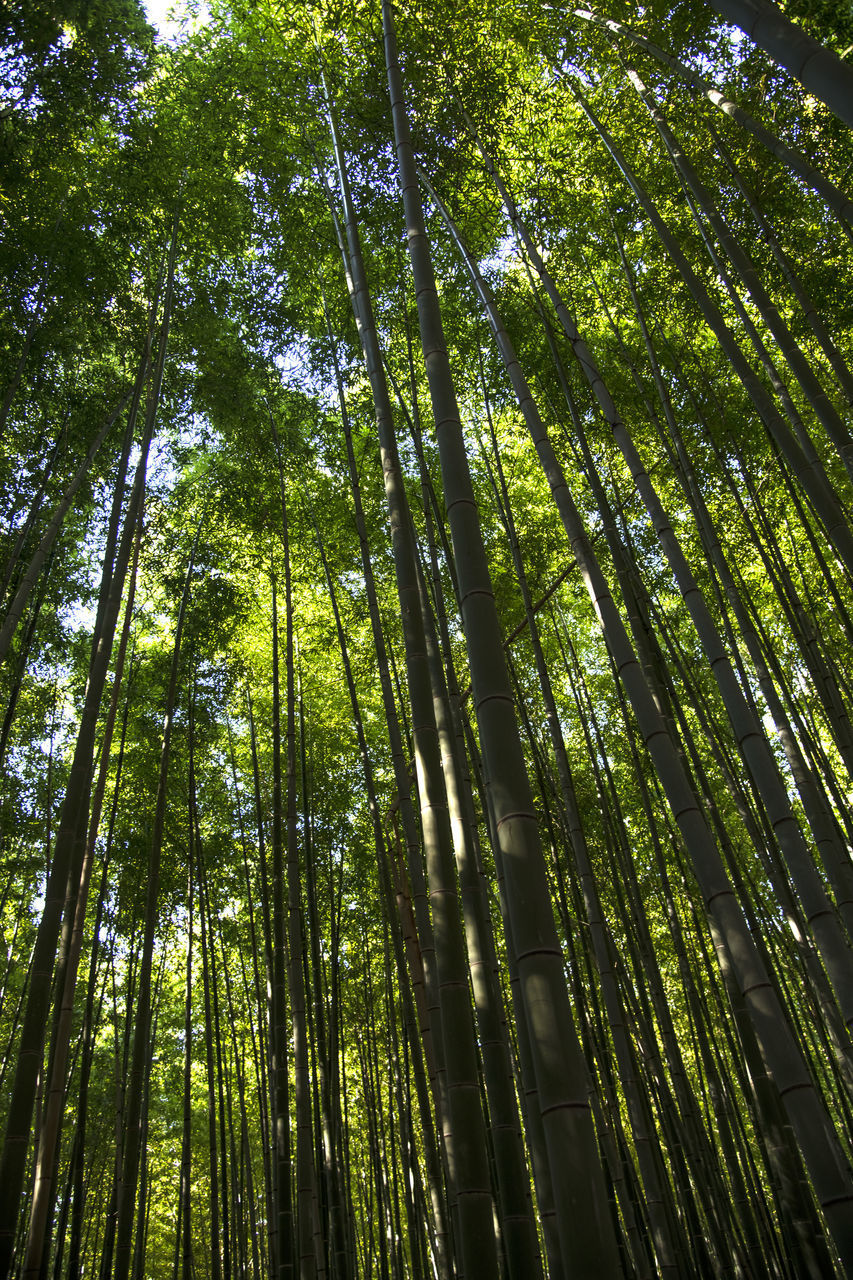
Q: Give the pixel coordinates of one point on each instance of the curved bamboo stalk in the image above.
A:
(734, 942)
(817, 68)
(586, 1232)
(788, 155)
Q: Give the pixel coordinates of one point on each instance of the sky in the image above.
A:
(158, 10)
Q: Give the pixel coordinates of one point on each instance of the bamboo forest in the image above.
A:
(426, 640)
